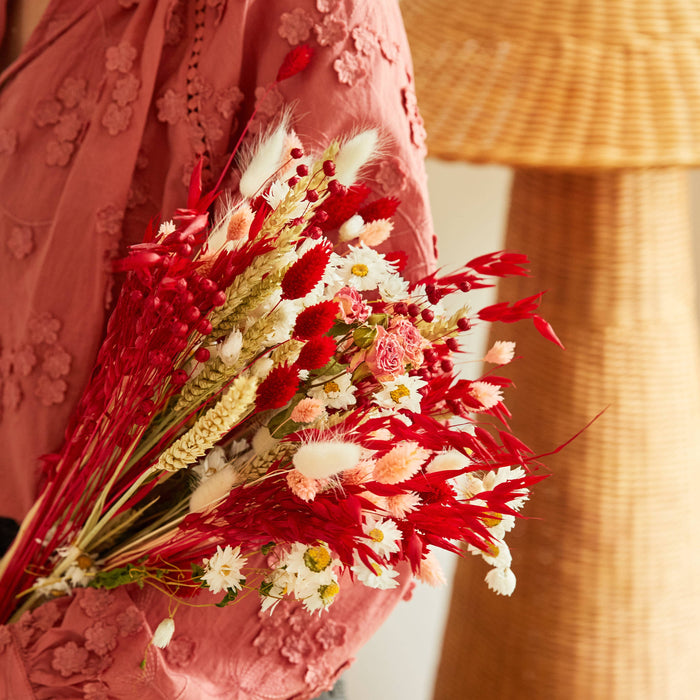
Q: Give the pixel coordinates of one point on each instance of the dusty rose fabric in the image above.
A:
(102, 118)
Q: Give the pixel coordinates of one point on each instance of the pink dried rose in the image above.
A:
(412, 341)
(352, 305)
(386, 357)
(307, 410)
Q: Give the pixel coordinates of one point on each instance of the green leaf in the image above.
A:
(266, 548)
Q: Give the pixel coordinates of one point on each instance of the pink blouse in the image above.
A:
(102, 118)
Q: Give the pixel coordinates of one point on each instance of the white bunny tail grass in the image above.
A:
(264, 160)
(354, 154)
(321, 460)
(212, 489)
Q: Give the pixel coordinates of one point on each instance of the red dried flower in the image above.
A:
(316, 320)
(341, 206)
(316, 353)
(295, 62)
(306, 272)
(383, 208)
(278, 388)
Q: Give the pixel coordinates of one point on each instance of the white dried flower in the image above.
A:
(353, 155)
(320, 460)
(164, 633)
(264, 163)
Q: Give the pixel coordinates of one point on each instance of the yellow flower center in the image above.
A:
(492, 550)
(225, 570)
(376, 534)
(359, 270)
(376, 568)
(84, 562)
(491, 519)
(398, 393)
(331, 387)
(328, 592)
(317, 558)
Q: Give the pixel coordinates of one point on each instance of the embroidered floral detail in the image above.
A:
(136, 195)
(350, 67)
(5, 637)
(95, 602)
(267, 640)
(25, 630)
(101, 638)
(213, 130)
(390, 49)
(68, 127)
(391, 175)
(130, 621)
(172, 107)
(72, 92)
(126, 90)
(56, 362)
(228, 101)
(365, 40)
(116, 119)
(21, 241)
(69, 659)
(47, 112)
(327, 5)
(410, 105)
(331, 31)
(317, 676)
(46, 616)
(8, 141)
(50, 391)
(180, 651)
(43, 328)
(296, 649)
(95, 691)
(295, 26)
(120, 57)
(109, 220)
(269, 103)
(58, 153)
(331, 634)
(23, 360)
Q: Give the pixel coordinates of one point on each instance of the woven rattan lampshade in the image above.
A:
(559, 83)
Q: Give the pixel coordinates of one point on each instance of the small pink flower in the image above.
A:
(116, 119)
(68, 127)
(172, 107)
(402, 504)
(269, 104)
(130, 621)
(96, 690)
(386, 357)
(352, 305)
(361, 473)
(295, 26)
(120, 57)
(23, 360)
(58, 153)
(391, 175)
(21, 241)
(95, 601)
(43, 328)
(302, 486)
(400, 463)
(126, 90)
(8, 141)
(57, 362)
(307, 410)
(431, 572)
(101, 638)
(228, 101)
(365, 40)
(109, 220)
(47, 112)
(331, 634)
(376, 232)
(488, 395)
(50, 391)
(501, 353)
(331, 31)
(350, 67)
(72, 92)
(390, 49)
(412, 341)
(180, 651)
(69, 659)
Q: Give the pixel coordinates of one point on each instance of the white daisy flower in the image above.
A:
(375, 575)
(364, 268)
(223, 570)
(393, 288)
(497, 553)
(335, 391)
(384, 535)
(401, 393)
(77, 576)
(467, 486)
(322, 597)
(501, 580)
(51, 587)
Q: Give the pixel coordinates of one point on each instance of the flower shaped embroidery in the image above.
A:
(228, 101)
(68, 127)
(269, 104)
(95, 691)
(116, 119)
(180, 651)
(43, 328)
(95, 602)
(23, 360)
(21, 241)
(212, 127)
(69, 659)
(331, 31)
(109, 220)
(318, 677)
(120, 57)
(410, 105)
(390, 49)
(350, 67)
(296, 649)
(8, 141)
(72, 92)
(56, 362)
(47, 112)
(391, 175)
(101, 638)
(126, 90)
(58, 153)
(46, 616)
(130, 621)
(172, 107)
(267, 640)
(50, 391)
(365, 40)
(331, 634)
(295, 25)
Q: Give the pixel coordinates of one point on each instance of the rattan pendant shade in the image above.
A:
(597, 105)
(559, 83)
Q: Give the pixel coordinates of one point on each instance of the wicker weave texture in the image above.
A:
(607, 603)
(559, 83)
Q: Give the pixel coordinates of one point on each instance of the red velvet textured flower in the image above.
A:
(278, 387)
(316, 353)
(306, 272)
(316, 320)
(295, 62)
(383, 208)
(340, 207)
